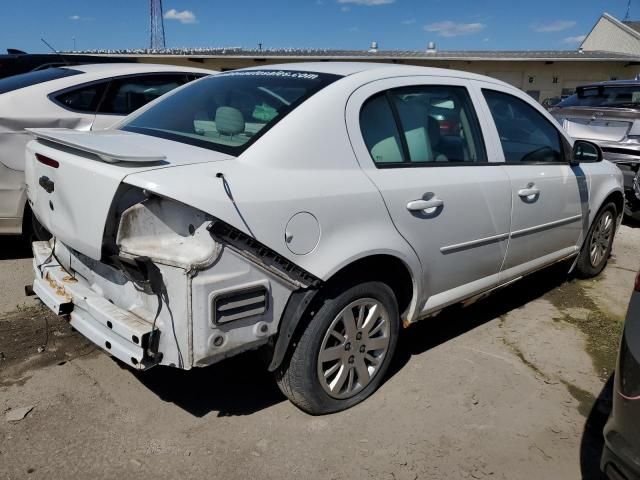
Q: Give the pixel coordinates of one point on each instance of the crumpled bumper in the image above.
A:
(117, 331)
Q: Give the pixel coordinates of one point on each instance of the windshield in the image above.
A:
(229, 111)
(22, 80)
(604, 96)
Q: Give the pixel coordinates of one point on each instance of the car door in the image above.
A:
(127, 94)
(549, 196)
(420, 142)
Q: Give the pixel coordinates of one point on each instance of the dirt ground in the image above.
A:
(512, 387)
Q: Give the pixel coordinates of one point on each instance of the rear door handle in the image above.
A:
(420, 205)
(528, 192)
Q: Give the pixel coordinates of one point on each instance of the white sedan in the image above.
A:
(81, 97)
(312, 210)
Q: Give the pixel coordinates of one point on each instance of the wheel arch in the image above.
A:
(383, 267)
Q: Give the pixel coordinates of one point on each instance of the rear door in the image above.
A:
(421, 143)
(127, 94)
(550, 197)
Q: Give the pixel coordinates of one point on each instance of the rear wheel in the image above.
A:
(597, 246)
(343, 354)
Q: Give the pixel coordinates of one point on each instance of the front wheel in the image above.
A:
(597, 246)
(343, 354)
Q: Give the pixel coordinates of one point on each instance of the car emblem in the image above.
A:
(596, 115)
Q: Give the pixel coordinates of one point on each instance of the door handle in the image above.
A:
(528, 192)
(420, 205)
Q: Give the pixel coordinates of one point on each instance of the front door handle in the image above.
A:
(528, 192)
(420, 205)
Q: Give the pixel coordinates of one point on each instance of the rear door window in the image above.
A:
(127, 94)
(15, 82)
(84, 99)
(422, 126)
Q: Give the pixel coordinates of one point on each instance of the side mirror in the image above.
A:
(587, 152)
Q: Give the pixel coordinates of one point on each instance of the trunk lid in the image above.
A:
(72, 177)
(598, 124)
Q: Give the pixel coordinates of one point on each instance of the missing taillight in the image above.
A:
(47, 161)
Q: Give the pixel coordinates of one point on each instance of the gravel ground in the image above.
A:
(512, 387)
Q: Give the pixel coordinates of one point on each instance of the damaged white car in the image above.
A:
(82, 97)
(313, 209)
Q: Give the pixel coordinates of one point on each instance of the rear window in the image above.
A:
(627, 96)
(229, 111)
(22, 80)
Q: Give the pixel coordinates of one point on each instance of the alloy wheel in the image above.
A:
(601, 239)
(353, 348)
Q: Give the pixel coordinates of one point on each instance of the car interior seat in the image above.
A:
(229, 121)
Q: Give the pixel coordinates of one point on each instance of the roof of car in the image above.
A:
(385, 69)
(130, 68)
(612, 83)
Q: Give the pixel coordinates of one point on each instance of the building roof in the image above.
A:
(633, 24)
(388, 55)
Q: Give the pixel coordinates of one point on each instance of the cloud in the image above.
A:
(574, 40)
(368, 3)
(345, 9)
(454, 29)
(409, 21)
(186, 16)
(74, 17)
(555, 26)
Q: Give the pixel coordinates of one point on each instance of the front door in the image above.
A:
(549, 196)
(421, 143)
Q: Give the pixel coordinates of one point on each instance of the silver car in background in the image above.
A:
(608, 113)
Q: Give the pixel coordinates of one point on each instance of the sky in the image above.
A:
(335, 24)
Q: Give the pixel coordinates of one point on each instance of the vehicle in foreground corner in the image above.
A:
(621, 454)
(81, 97)
(608, 113)
(312, 209)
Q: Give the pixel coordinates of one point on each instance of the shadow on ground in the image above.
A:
(14, 247)
(592, 441)
(241, 385)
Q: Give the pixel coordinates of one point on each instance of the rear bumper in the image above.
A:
(117, 331)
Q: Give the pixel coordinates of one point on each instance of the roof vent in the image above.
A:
(431, 47)
(374, 47)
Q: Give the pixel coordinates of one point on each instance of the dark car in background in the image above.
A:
(15, 61)
(621, 455)
(608, 113)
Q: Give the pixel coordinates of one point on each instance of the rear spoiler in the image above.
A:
(110, 146)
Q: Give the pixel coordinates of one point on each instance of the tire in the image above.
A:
(32, 229)
(354, 369)
(597, 246)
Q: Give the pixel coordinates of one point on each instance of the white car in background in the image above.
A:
(80, 97)
(312, 208)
